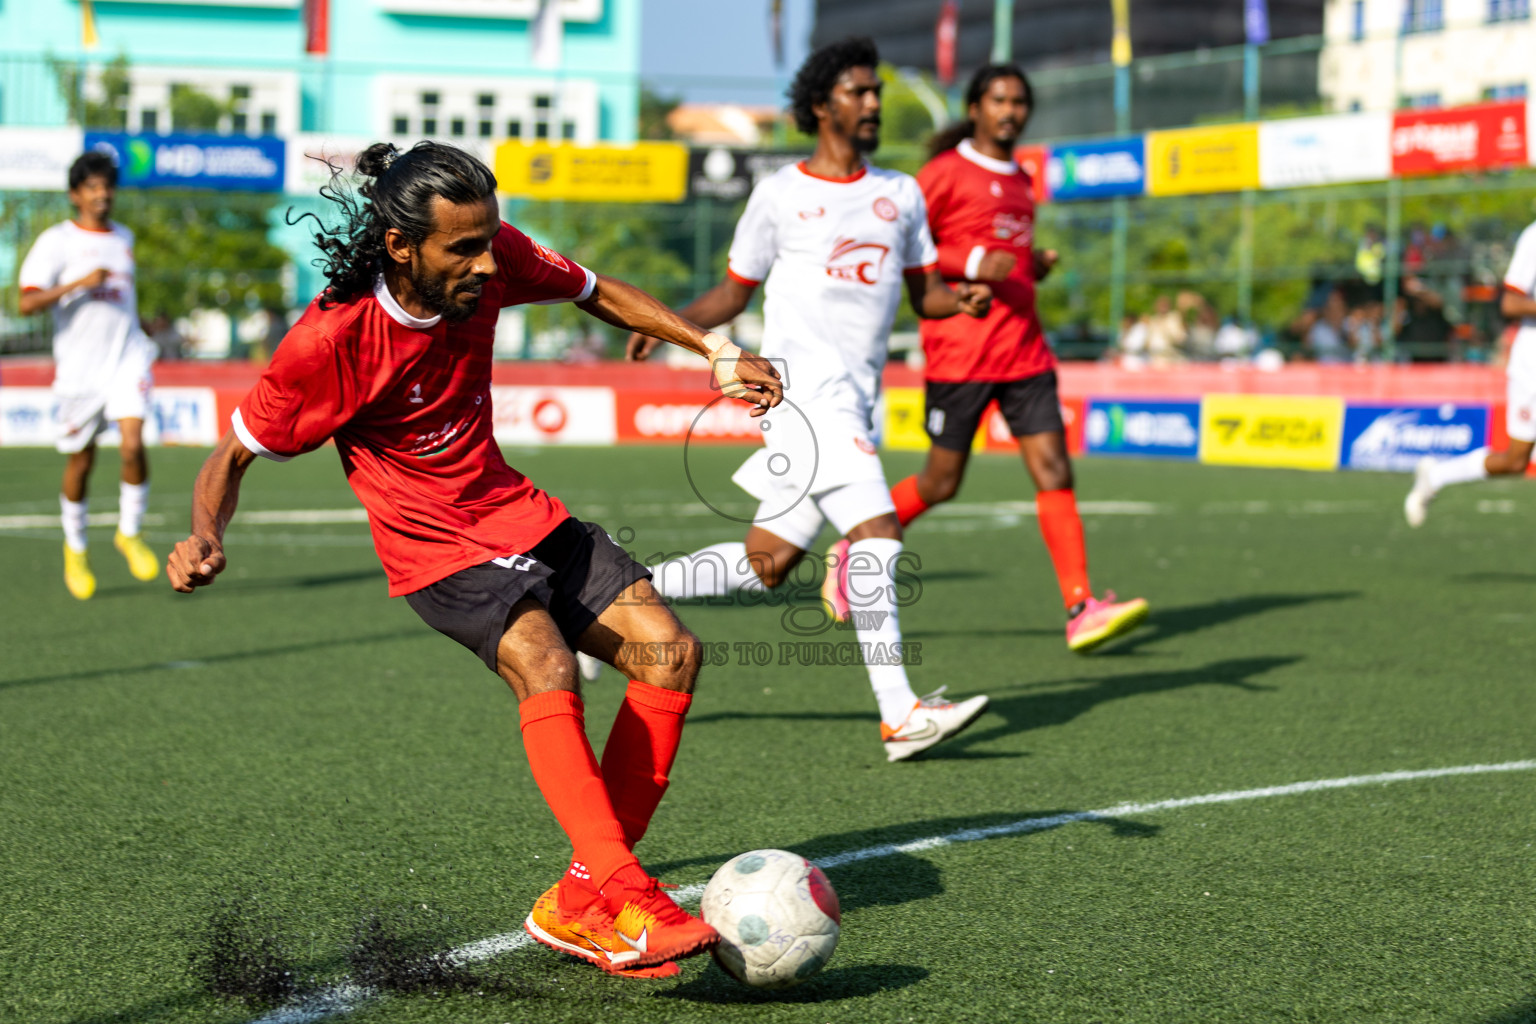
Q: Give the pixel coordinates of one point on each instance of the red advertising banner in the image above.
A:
(1459, 139)
(1033, 160)
(693, 414)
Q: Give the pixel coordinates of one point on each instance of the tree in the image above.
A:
(654, 109)
(193, 110)
(110, 112)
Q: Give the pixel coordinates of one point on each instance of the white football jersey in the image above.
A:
(1522, 278)
(831, 255)
(95, 330)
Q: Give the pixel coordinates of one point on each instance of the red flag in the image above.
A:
(944, 34)
(317, 26)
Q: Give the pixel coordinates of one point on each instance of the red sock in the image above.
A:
(1062, 529)
(909, 504)
(566, 772)
(640, 751)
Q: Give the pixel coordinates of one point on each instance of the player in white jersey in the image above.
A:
(1518, 302)
(834, 241)
(83, 271)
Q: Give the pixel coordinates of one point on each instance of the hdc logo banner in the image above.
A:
(1097, 170)
(1396, 437)
(1164, 430)
(225, 162)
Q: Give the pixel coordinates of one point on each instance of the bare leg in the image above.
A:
(1046, 459)
(532, 656)
(940, 478)
(77, 472)
(1511, 461)
(771, 556)
(135, 461)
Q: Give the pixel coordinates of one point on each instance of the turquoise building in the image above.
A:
(453, 69)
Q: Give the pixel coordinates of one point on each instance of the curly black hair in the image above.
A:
(981, 81)
(92, 163)
(814, 81)
(397, 193)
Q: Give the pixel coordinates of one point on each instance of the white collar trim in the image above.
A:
(992, 164)
(396, 312)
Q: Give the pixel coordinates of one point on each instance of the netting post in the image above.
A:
(703, 213)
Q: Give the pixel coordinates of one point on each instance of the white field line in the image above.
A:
(269, 517)
(346, 996)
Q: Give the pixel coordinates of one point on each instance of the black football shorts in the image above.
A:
(954, 408)
(576, 572)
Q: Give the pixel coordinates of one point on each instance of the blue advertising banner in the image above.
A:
(1396, 437)
(1164, 430)
(1097, 170)
(224, 162)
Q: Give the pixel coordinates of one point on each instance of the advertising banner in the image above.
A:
(995, 436)
(904, 420)
(224, 162)
(1459, 139)
(1033, 160)
(311, 155)
(1097, 170)
(730, 174)
(38, 158)
(524, 415)
(1191, 160)
(28, 418)
(697, 415)
(1325, 150)
(645, 172)
(1163, 430)
(1285, 431)
(1396, 437)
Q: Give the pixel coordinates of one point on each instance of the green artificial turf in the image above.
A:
(294, 741)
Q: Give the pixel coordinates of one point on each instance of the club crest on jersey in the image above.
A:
(885, 209)
(1012, 227)
(549, 256)
(864, 445)
(820, 211)
(859, 262)
(996, 190)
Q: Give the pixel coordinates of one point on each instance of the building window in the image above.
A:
(429, 99)
(486, 100)
(456, 127)
(514, 129)
(149, 120)
(568, 130)
(1509, 10)
(486, 128)
(541, 130)
(269, 123)
(1515, 91)
(237, 123)
(1354, 106)
(1422, 101)
(402, 126)
(1423, 16)
(1357, 20)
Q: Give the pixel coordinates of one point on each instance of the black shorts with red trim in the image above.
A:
(954, 408)
(576, 572)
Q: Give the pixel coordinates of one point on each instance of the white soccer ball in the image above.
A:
(777, 916)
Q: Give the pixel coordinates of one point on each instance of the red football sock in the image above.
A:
(640, 751)
(1062, 529)
(566, 772)
(909, 504)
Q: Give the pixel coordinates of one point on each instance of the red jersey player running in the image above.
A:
(981, 210)
(393, 363)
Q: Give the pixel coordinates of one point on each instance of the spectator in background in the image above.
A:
(1233, 341)
(1202, 331)
(1166, 333)
(1326, 339)
(1132, 343)
(162, 331)
(1371, 256)
(1363, 330)
(1419, 323)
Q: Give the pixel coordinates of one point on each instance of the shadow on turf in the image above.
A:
(206, 659)
(715, 986)
(1520, 1013)
(1037, 710)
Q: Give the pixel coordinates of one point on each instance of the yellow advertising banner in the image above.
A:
(1286, 431)
(645, 172)
(1190, 160)
(904, 420)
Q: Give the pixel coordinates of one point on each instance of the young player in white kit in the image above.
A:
(1519, 300)
(83, 271)
(833, 240)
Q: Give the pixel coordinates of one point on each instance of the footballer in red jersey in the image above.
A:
(392, 362)
(981, 212)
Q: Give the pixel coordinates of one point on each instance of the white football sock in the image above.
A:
(73, 515)
(131, 501)
(715, 571)
(872, 607)
(1461, 469)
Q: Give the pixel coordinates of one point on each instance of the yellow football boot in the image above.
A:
(589, 935)
(77, 574)
(142, 562)
(1102, 621)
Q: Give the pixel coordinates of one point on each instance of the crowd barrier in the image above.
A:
(1300, 417)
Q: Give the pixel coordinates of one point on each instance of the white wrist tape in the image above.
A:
(973, 262)
(714, 343)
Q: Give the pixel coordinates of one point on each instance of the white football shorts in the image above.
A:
(85, 416)
(1520, 417)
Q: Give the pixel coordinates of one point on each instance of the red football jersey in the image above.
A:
(977, 203)
(408, 402)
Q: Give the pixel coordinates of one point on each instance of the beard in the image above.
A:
(867, 144)
(456, 307)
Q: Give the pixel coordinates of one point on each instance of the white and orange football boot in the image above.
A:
(834, 589)
(932, 720)
(651, 924)
(1102, 621)
(588, 935)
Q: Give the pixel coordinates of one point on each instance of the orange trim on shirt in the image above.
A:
(1516, 290)
(94, 231)
(925, 270)
(29, 288)
(747, 281)
(855, 176)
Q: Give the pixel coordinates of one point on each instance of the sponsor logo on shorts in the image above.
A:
(522, 563)
(936, 422)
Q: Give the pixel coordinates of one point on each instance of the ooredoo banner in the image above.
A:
(1325, 150)
(553, 415)
(696, 415)
(1459, 139)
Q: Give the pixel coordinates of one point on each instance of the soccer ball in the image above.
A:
(777, 917)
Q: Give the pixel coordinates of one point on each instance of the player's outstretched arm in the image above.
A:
(196, 561)
(39, 299)
(932, 299)
(742, 375)
(720, 305)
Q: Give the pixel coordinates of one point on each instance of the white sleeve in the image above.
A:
(919, 252)
(43, 266)
(1522, 268)
(755, 245)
